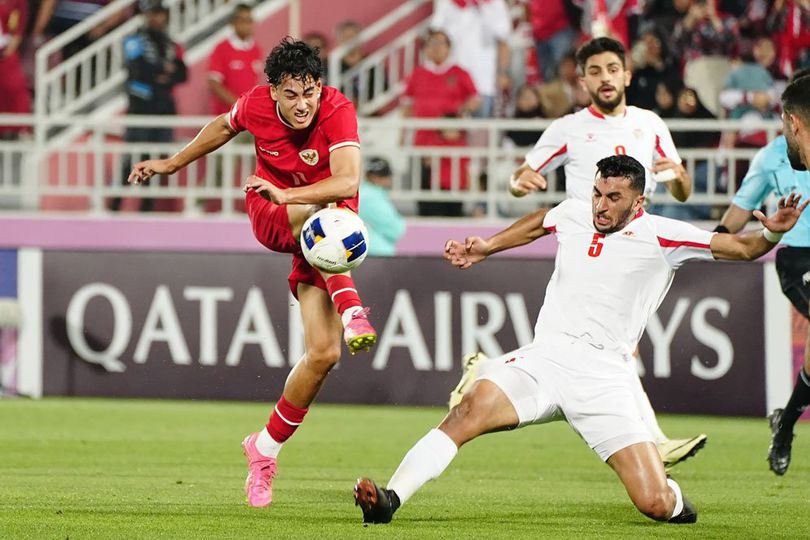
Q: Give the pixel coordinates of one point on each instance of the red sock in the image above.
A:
(285, 420)
(343, 292)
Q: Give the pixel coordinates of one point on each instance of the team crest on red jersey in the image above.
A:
(309, 156)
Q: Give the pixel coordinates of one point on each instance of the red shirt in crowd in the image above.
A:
(290, 157)
(547, 17)
(437, 91)
(14, 96)
(238, 65)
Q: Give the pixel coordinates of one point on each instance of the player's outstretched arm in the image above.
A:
(526, 180)
(215, 133)
(752, 245)
(475, 249)
(344, 164)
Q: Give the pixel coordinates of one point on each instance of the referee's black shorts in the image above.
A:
(793, 267)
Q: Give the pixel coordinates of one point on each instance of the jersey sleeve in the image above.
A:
(756, 185)
(551, 150)
(340, 128)
(681, 241)
(664, 145)
(556, 215)
(237, 117)
(216, 65)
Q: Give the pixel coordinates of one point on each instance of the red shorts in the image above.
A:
(271, 227)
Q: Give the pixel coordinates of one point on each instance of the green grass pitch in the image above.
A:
(79, 468)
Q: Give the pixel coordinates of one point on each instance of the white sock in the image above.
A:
(267, 445)
(347, 315)
(425, 461)
(678, 497)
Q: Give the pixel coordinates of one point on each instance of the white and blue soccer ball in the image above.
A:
(334, 240)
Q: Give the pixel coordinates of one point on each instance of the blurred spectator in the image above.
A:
(664, 14)
(479, 31)
(527, 105)
(702, 32)
(764, 52)
(57, 16)
(789, 24)
(552, 32)
(439, 88)
(14, 97)
(317, 40)
(384, 223)
(749, 89)
(751, 16)
(346, 33)
(236, 63)
(688, 105)
(564, 94)
(608, 18)
(750, 93)
(154, 67)
(652, 65)
(665, 100)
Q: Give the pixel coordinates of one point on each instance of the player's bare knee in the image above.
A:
(463, 422)
(323, 358)
(656, 505)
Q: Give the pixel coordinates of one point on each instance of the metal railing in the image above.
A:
(68, 86)
(87, 173)
(381, 76)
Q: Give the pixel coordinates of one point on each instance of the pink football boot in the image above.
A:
(261, 470)
(358, 333)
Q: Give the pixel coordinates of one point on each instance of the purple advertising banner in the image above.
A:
(224, 326)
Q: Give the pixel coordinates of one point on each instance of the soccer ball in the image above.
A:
(334, 240)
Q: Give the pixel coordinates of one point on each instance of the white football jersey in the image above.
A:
(578, 141)
(605, 287)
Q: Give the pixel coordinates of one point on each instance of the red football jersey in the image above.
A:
(290, 157)
(437, 91)
(237, 65)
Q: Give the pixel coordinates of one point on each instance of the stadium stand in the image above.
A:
(68, 156)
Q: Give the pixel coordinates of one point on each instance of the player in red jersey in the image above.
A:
(307, 156)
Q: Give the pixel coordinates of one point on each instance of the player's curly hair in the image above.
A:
(622, 166)
(292, 58)
(598, 46)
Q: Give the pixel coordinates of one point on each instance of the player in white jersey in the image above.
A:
(613, 268)
(607, 127)
(576, 142)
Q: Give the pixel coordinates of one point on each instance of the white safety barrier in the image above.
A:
(89, 170)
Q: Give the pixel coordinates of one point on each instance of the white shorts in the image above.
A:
(598, 403)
